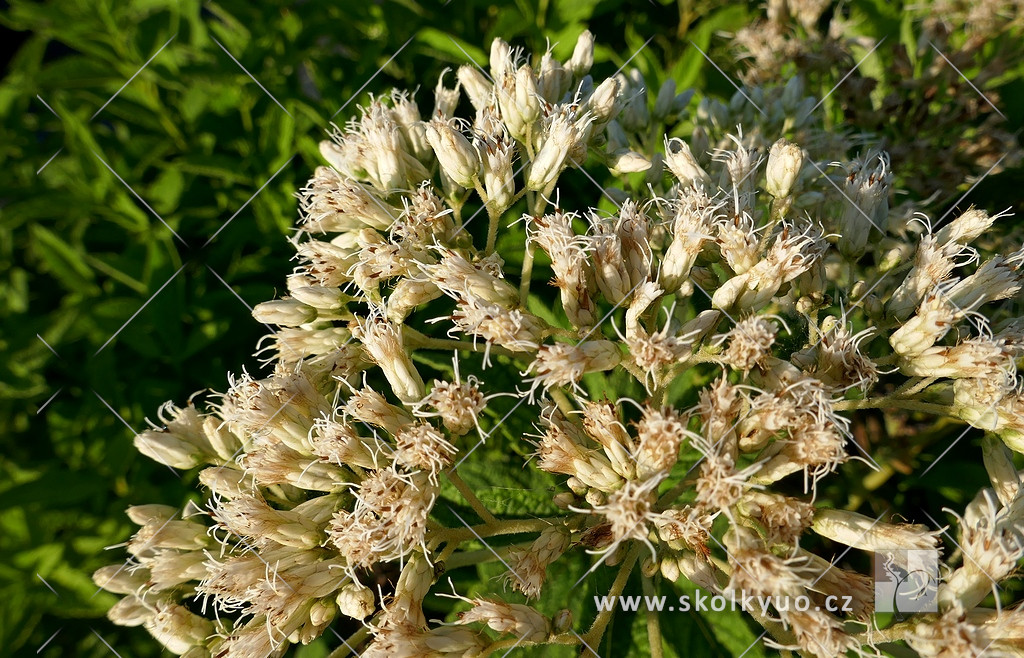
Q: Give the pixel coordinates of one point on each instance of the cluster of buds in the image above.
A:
(692, 373)
(900, 96)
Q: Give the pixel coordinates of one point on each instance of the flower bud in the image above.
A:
(407, 295)
(178, 629)
(582, 55)
(698, 570)
(382, 341)
(784, 163)
(168, 449)
(865, 533)
(564, 499)
(119, 579)
(285, 312)
(476, 85)
(656, 172)
(627, 162)
(559, 139)
(455, 154)
(604, 103)
(635, 114)
(934, 319)
(499, 178)
(501, 59)
(792, 93)
(182, 443)
(665, 102)
(680, 161)
(866, 204)
(356, 601)
(680, 102)
(670, 568)
(562, 621)
(445, 100)
(131, 611)
(320, 297)
(553, 79)
(518, 101)
(1001, 471)
(527, 97)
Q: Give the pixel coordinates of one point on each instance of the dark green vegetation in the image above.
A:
(144, 299)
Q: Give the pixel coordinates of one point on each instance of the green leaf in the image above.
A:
(450, 47)
(62, 260)
(55, 488)
(706, 632)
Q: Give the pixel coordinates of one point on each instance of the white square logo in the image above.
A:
(906, 580)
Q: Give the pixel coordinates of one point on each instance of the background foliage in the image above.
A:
(144, 298)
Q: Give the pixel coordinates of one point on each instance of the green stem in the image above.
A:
(492, 230)
(653, 622)
(596, 632)
(347, 647)
(508, 643)
(562, 400)
(634, 370)
(887, 359)
(417, 340)
(470, 497)
(914, 386)
(499, 527)
(526, 276)
(658, 395)
(669, 496)
(479, 556)
(894, 633)
(893, 403)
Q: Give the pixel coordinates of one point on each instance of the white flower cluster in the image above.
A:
(781, 297)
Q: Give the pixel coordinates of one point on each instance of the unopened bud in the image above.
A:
(868, 534)
(604, 103)
(680, 161)
(356, 601)
(499, 178)
(784, 163)
(564, 499)
(119, 579)
(1001, 471)
(476, 85)
(562, 621)
(285, 312)
(553, 79)
(681, 100)
(320, 297)
(582, 55)
(527, 103)
(455, 154)
(665, 102)
(670, 568)
(627, 162)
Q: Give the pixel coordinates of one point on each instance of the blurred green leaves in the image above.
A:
(151, 151)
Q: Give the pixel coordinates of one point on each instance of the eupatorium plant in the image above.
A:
(687, 345)
(918, 98)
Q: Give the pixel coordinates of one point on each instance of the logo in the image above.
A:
(906, 581)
